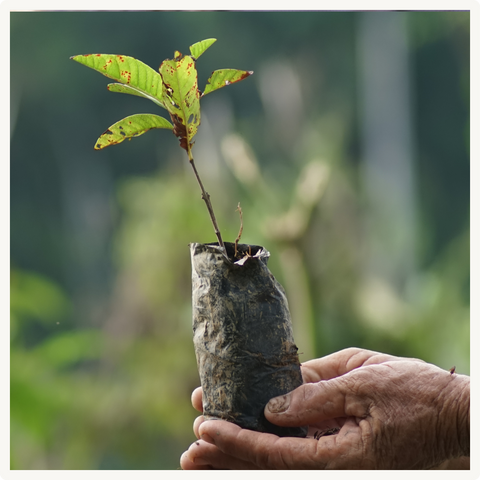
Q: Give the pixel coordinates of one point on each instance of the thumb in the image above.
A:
(310, 403)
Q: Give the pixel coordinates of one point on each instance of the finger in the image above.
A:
(203, 455)
(339, 363)
(267, 451)
(197, 399)
(186, 463)
(196, 424)
(312, 403)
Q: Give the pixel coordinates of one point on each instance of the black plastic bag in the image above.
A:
(243, 336)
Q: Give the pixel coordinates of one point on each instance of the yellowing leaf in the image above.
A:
(181, 97)
(223, 78)
(130, 127)
(174, 88)
(126, 70)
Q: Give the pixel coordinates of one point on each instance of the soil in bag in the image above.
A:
(243, 336)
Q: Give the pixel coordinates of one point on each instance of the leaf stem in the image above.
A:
(206, 198)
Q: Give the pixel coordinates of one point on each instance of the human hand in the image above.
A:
(391, 412)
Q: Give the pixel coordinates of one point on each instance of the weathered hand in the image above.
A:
(392, 413)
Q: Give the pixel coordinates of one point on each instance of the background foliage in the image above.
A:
(102, 361)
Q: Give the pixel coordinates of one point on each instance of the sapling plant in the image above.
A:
(174, 88)
(242, 329)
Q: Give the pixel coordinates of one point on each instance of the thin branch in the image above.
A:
(239, 210)
(206, 198)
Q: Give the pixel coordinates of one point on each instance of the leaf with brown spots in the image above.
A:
(130, 127)
(174, 88)
(134, 76)
(223, 78)
(181, 97)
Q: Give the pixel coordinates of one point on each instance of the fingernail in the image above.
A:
(207, 438)
(279, 404)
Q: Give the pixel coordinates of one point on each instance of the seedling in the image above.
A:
(174, 88)
(242, 329)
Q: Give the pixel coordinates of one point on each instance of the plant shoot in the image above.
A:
(174, 88)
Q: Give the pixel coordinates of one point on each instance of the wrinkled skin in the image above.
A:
(392, 413)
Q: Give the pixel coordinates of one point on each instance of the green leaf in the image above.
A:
(126, 70)
(181, 97)
(175, 88)
(119, 88)
(224, 77)
(198, 48)
(130, 127)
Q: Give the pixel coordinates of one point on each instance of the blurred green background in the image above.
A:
(348, 150)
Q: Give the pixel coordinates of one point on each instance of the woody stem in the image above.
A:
(206, 198)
